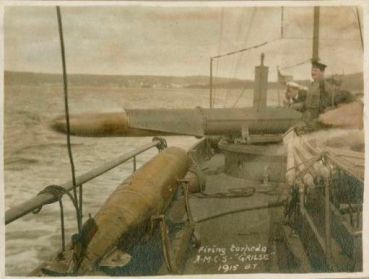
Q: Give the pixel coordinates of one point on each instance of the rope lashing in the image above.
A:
(162, 143)
(57, 192)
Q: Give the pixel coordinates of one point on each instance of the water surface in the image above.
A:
(35, 156)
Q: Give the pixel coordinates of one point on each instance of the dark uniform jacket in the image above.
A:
(318, 98)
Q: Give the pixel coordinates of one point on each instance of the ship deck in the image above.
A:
(241, 242)
(244, 241)
(239, 222)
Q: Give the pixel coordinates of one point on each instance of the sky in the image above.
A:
(149, 40)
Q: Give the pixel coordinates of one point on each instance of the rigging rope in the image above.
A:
(282, 37)
(66, 107)
(244, 49)
(219, 49)
(283, 68)
(238, 60)
(322, 39)
(359, 23)
(254, 47)
(282, 16)
(239, 96)
(245, 87)
(295, 65)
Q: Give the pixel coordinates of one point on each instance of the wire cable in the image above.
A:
(66, 107)
(251, 208)
(359, 23)
(238, 59)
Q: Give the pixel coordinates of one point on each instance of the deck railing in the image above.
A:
(44, 198)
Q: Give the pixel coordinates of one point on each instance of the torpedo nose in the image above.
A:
(93, 124)
(58, 124)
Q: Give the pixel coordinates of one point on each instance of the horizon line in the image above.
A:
(158, 75)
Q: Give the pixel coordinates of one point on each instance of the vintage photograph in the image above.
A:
(183, 138)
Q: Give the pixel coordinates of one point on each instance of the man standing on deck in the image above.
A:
(318, 97)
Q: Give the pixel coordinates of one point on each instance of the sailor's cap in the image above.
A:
(317, 64)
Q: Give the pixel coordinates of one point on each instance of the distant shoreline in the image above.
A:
(352, 82)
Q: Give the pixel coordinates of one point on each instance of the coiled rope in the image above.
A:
(231, 193)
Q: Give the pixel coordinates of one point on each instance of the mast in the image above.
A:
(282, 16)
(327, 209)
(315, 56)
(211, 84)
